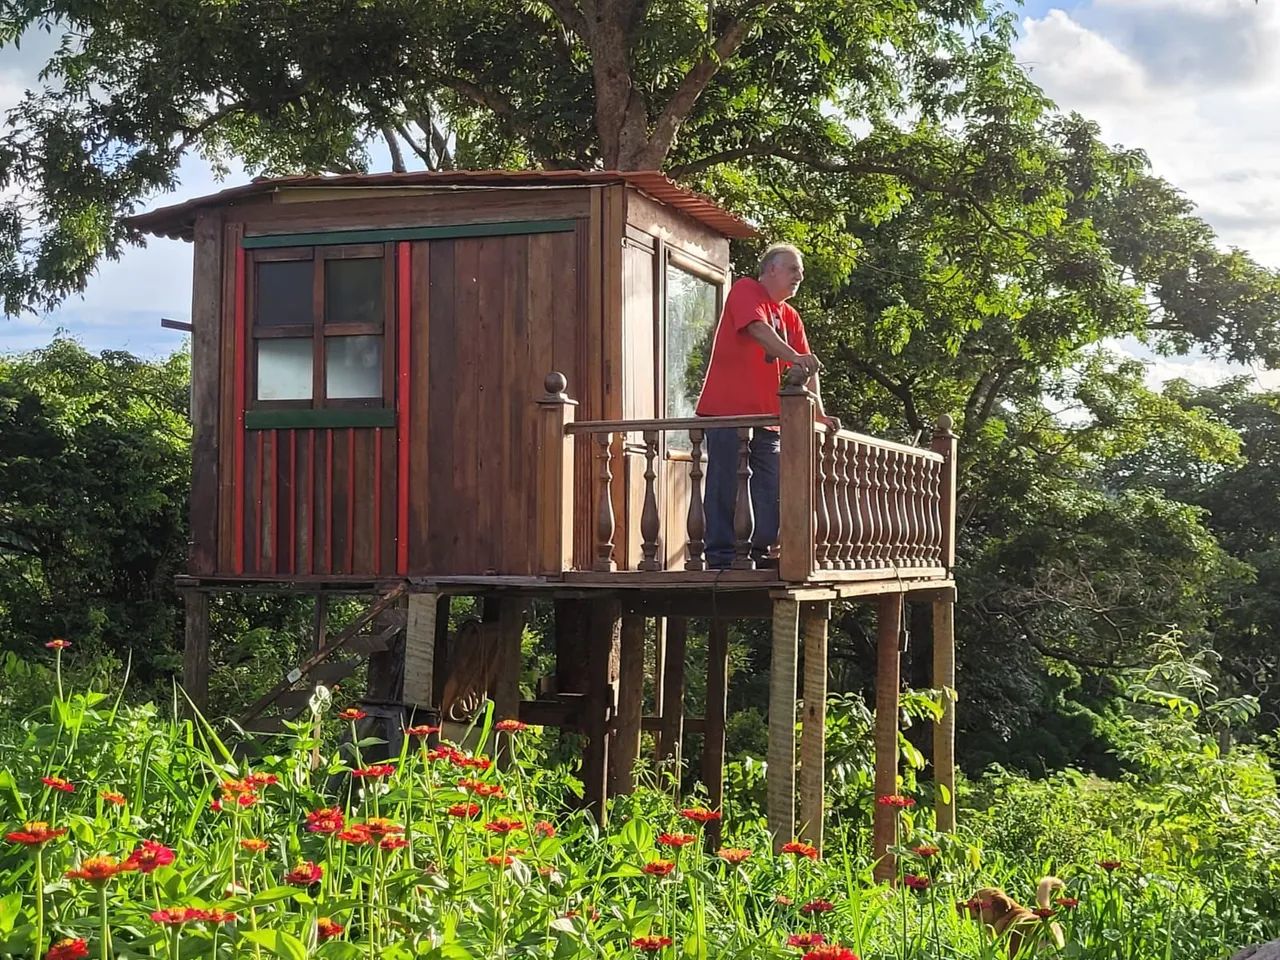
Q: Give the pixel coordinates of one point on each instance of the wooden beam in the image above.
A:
(717, 712)
(626, 741)
(814, 619)
(506, 686)
(420, 650)
(944, 731)
(736, 605)
(781, 787)
(603, 651)
(885, 824)
(195, 654)
(671, 740)
(206, 370)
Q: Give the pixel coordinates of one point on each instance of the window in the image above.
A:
(691, 310)
(320, 318)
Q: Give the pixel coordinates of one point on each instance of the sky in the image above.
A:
(1194, 83)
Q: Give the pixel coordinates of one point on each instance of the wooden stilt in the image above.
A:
(506, 685)
(888, 620)
(782, 722)
(944, 731)
(813, 755)
(604, 641)
(571, 626)
(384, 684)
(626, 741)
(659, 680)
(671, 738)
(420, 651)
(440, 659)
(713, 724)
(195, 654)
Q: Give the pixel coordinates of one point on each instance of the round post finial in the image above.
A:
(555, 385)
(944, 425)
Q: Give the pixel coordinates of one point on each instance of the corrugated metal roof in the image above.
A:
(178, 220)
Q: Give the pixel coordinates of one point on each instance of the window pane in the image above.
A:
(284, 293)
(690, 325)
(353, 291)
(284, 369)
(353, 367)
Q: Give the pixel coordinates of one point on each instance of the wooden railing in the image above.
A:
(851, 506)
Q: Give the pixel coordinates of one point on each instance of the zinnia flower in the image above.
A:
(35, 833)
(917, 881)
(675, 839)
(381, 827)
(57, 643)
(98, 870)
(149, 856)
(544, 828)
(304, 874)
(1068, 903)
(113, 798)
(510, 726)
(443, 753)
(328, 928)
(1044, 913)
(925, 851)
(356, 834)
(733, 854)
(464, 810)
(374, 772)
(176, 916)
(499, 860)
(1109, 865)
(800, 849)
(325, 820)
(422, 730)
(59, 784)
(659, 868)
(67, 949)
(699, 814)
(830, 951)
(394, 843)
(806, 940)
(896, 800)
(504, 825)
(253, 845)
(473, 763)
(817, 906)
(491, 790)
(650, 944)
(218, 915)
(353, 714)
(259, 780)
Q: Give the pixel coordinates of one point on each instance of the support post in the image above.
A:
(885, 824)
(944, 731)
(555, 477)
(420, 651)
(506, 685)
(713, 725)
(671, 740)
(944, 442)
(626, 741)
(195, 654)
(813, 749)
(796, 484)
(603, 643)
(781, 786)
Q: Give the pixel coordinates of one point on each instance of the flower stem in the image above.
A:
(104, 931)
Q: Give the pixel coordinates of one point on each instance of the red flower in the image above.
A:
(148, 857)
(1109, 865)
(651, 944)
(67, 949)
(98, 870)
(469, 783)
(472, 763)
(259, 780)
(817, 906)
(236, 788)
(896, 800)
(1044, 913)
(925, 851)
(394, 843)
(57, 643)
(588, 913)
(464, 810)
(327, 928)
(510, 726)
(246, 800)
(733, 854)
(59, 784)
(35, 833)
(325, 820)
(352, 713)
(699, 814)
(381, 827)
(544, 828)
(113, 798)
(806, 940)
(218, 915)
(917, 881)
(800, 849)
(504, 825)
(675, 839)
(356, 835)
(254, 845)
(830, 951)
(304, 874)
(176, 916)
(659, 868)
(423, 730)
(1068, 903)
(443, 753)
(374, 772)
(499, 860)
(492, 790)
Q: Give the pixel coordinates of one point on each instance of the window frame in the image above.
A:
(318, 331)
(718, 278)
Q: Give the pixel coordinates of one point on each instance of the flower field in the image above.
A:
(128, 835)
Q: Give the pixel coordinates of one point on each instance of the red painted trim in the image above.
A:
(351, 500)
(257, 499)
(237, 456)
(328, 492)
(403, 319)
(311, 500)
(293, 501)
(377, 500)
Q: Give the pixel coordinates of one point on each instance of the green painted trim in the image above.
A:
(306, 418)
(329, 237)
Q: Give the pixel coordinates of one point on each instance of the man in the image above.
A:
(758, 334)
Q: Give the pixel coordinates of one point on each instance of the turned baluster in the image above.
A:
(604, 506)
(843, 559)
(649, 514)
(884, 506)
(933, 540)
(854, 494)
(902, 526)
(824, 447)
(744, 520)
(836, 510)
(865, 505)
(697, 522)
(915, 515)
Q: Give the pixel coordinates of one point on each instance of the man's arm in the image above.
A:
(764, 334)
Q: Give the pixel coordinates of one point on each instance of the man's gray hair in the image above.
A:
(772, 252)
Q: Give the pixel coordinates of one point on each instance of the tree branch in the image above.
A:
(393, 145)
(568, 13)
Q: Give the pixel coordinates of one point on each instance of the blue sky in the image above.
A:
(1196, 83)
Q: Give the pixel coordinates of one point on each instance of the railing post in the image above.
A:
(605, 525)
(744, 518)
(796, 483)
(649, 525)
(555, 476)
(697, 521)
(944, 443)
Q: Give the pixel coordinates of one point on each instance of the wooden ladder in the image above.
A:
(372, 632)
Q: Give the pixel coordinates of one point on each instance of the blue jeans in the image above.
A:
(722, 492)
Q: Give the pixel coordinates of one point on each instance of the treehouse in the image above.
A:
(415, 387)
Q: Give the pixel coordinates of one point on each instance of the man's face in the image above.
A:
(783, 275)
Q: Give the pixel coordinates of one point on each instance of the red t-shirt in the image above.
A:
(740, 381)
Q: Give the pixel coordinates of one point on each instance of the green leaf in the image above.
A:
(283, 945)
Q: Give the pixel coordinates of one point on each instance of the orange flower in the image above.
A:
(236, 788)
(491, 790)
(325, 820)
(423, 730)
(374, 772)
(356, 835)
(544, 828)
(35, 833)
(676, 840)
(149, 856)
(473, 763)
(510, 726)
(98, 870)
(57, 643)
(259, 780)
(1044, 913)
(59, 784)
(830, 951)
(504, 825)
(304, 874)
(806, 940)
(176, 916)
(800, 849)
(394, 843)
(253, 845)
(699, 814)
(352, 713)
(443, 753)
(498, 860)
(464, 810)
(659, 868)
(733, 854)
(925, 851)
(1068, 903)
(381, 827)
(67, 949)
(113, 798)
(327, 928)
(650, 944)
(218, 915)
